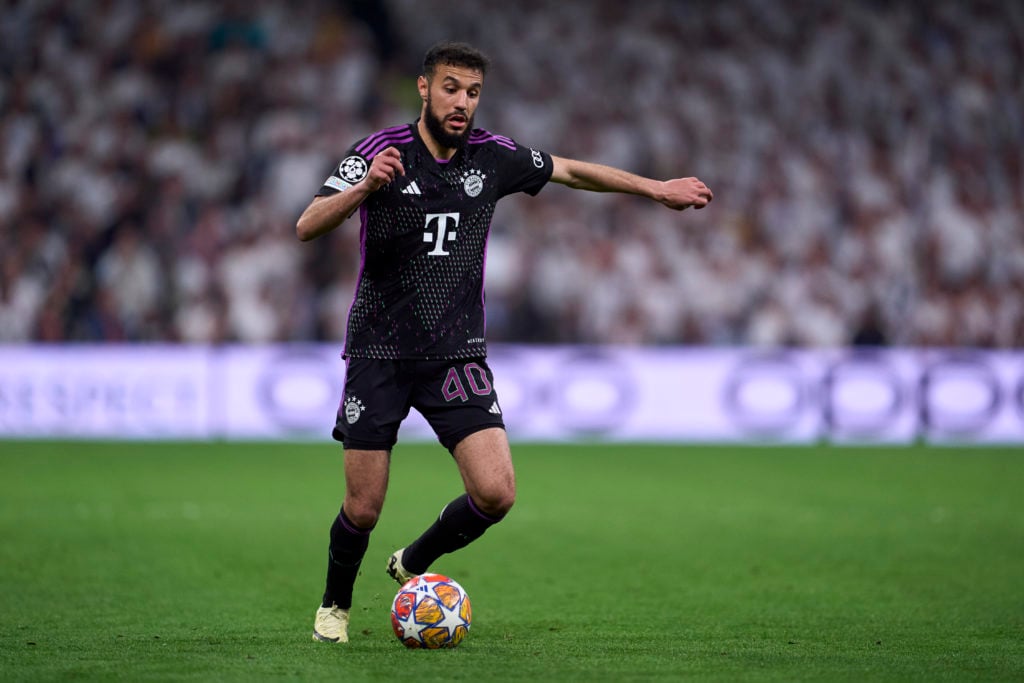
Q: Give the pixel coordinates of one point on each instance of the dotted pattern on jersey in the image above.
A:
(445, 282)
(448, 289)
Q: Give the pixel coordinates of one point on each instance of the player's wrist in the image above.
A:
(658, 191)
(369, 185)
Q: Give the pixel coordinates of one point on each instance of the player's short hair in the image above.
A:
(455, 54)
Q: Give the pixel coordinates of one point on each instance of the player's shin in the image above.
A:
(460, 523)
(345, 554)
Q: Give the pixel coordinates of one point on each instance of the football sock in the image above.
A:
(345, 554)
(460, 523)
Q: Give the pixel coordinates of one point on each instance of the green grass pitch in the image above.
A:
(205, 561)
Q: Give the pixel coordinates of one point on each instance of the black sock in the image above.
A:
(459, 524)
(345, 554)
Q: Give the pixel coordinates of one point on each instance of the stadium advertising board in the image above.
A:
(564, 393)
(104, 392)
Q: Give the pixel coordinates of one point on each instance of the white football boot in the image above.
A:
(331, 625)
(395, 569)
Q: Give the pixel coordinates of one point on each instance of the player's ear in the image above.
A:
(423, 86)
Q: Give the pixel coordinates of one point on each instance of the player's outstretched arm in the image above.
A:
(678, 193)
(326, 213)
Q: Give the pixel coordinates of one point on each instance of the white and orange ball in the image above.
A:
(431, 611)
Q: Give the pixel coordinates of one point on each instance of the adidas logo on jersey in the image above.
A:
(495, 410)
(411, 188)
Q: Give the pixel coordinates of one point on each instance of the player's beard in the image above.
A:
(435, 126)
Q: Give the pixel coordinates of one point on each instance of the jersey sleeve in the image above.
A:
(350, 171)
(524, 170)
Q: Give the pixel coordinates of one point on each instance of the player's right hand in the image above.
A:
(383, 169)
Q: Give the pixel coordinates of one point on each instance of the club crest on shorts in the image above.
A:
(473, 182)
(353, 409)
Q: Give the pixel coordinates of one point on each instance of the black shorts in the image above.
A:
(456, 397)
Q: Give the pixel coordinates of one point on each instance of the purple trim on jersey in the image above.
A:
(380, 134)
(480, 136)
(481, 133)
(385, 143)
(359, 279)
(442, 161)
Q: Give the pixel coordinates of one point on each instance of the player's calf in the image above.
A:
(460, 523)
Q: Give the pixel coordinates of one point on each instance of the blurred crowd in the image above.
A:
(867, 161)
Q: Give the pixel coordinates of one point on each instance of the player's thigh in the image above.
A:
(485, 463)
(457, 398)
(366, 484)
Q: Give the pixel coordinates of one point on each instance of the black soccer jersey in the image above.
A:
(423, 239)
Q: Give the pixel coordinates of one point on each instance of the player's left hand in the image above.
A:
(682, 193)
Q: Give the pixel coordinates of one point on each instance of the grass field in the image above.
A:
(171, 561)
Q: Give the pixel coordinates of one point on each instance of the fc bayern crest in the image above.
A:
(352, 169)
(473, 182)
(353, 409)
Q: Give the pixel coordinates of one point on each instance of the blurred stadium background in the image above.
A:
(867, 160)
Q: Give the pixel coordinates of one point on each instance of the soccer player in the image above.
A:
(425, 193)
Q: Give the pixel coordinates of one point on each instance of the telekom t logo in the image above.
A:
(442, 222)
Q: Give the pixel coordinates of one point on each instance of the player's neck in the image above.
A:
(439, 152)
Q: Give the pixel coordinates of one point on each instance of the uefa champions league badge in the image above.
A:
(353, 169)
(353, 409)
(473, 182)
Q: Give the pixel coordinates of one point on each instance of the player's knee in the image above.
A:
(496, 502)
(363, 515)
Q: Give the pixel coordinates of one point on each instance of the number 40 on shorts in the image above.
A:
(475, 378)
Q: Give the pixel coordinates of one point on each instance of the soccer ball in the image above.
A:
(431, 611)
